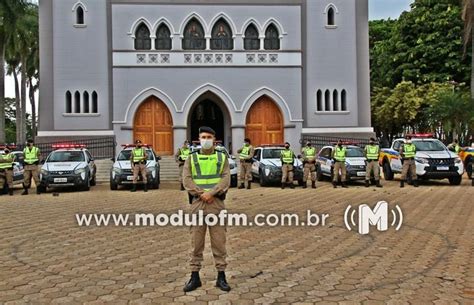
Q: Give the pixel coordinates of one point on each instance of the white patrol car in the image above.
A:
(433, 160)
(232, 163)
(122, 173)
(68, 165)
(266, 166)
(355, 163)
(17, 164)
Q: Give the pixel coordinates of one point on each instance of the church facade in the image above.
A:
(270, 70)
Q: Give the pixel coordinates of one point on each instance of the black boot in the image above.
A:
(304, 184)
(313, 184)
(241, 186)
(25, 191)
(145, 187)
(377, 183)
(367, 183)
(249, 185)
(334, 184)
(10, 191)
(182, 187)
(222, 282)
(292, 186)
(38, 191)
(415, 183)
(344, 185)
(402, 183)
(193, 283)
(134, 188)
(283, 184)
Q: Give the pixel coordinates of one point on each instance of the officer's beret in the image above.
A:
(247, 140)
(207, 129)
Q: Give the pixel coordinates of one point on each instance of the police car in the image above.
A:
(433, 160)
(266, 166)
(17, 164)
(68, 165)
(355, 162)
(467, 156)
(122, 173)
(232, 163)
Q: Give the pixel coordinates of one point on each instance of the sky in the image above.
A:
(378, 9)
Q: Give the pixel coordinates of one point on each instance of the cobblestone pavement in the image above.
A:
(46, 258)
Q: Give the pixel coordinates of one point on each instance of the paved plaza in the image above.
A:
(47, 258)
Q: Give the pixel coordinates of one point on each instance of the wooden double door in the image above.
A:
(264, 124)
(153, 125)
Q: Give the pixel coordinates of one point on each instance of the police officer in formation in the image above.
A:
(455, 146)
(206, 177)
(181, 156)
(138, 159)
(372, 152)
(287, 158)
(245, 157)
(309, 161)
(339, 154)
(32, 157)
(6, 170)
(408, 152)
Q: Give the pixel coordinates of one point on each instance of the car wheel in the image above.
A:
(387, 172)
(113, 185)
(155, 184)
(469, 169)
(42, 188)
(262, 180)
(455, 180)
(319, 174)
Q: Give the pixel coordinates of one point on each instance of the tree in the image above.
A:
(468, 18)
(9, 12)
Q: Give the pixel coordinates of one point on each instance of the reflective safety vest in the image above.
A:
(372, 152)
(287, 156)
(340, 154)
(184, 153)
(409, 151)
(138, 154)
(309, 152)
(31, 156)
(207, 170)
(245, 152)
(457, 148)
(6, 165)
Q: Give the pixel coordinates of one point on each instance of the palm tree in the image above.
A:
(9, 12)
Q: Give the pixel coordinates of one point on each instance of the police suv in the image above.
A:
(355, 163)
(266, 166)
(17, 164)
(68, 165)
(433, 160)
(122, 173)
(232, 163)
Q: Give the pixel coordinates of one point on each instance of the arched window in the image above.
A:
(79, 15)
(331, 16)
(77, 102)
(335, 101)
(142, 38)
(221, 36)
(327, 100)
(94, 103)
(272, 38)
(344, 100)
(319, 100)
(85, 102)
(194, 36)
(251, 40)
(163, 38)
(68, 102)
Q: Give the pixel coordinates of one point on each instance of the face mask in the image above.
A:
(139, 146)
(287, 146)
(30, 144)
(409, 142)
(206, 143)
(246, 143)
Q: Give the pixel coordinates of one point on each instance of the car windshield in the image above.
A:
(430, 145)
(354, 152)
(66, 156)
(273, 153)
(125, 155)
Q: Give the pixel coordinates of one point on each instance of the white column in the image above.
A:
(152, 38)
(179, 136)
(208, 42)
(238, 42)
(176, 42)
(238, 135)
(262, 42)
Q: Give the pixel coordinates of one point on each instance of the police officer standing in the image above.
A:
(206, 177)
(309, 160)
(32, 157)
(287, 158)
(339, 156)
(181, 156)
(372, 152)
(408, 152)
(245, 157)
(6, 170)
(138, 159)
(455, 146)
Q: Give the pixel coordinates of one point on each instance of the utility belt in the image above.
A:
(34, 163)
(246, 161)
(370, 160)
(408, 159)
(195, 197)
(309, 161)
(139, 162)
(4, 170)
